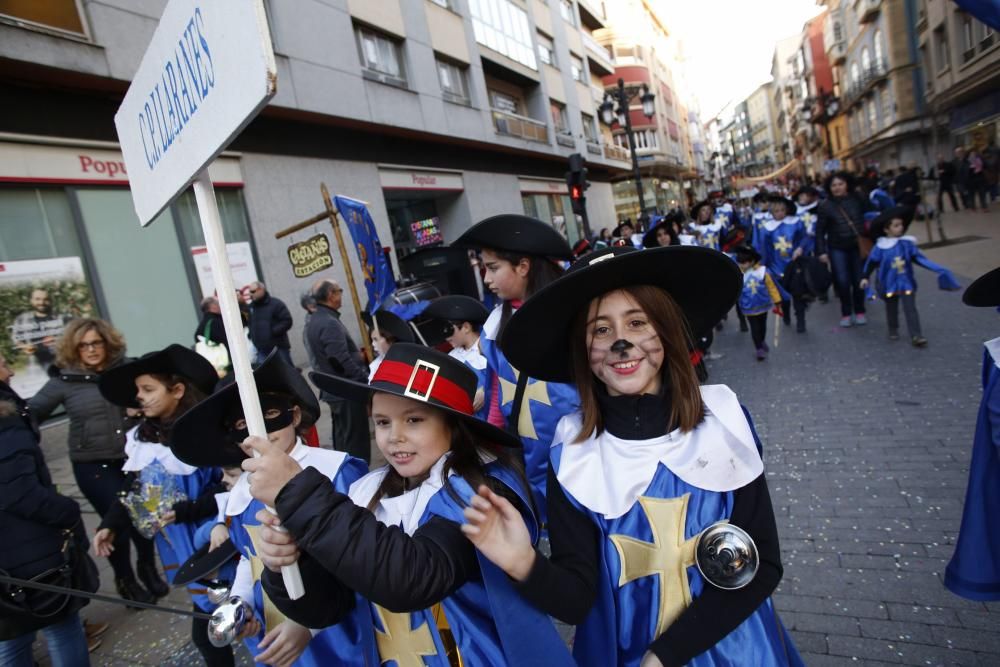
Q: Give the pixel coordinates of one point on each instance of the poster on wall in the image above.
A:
(38, 298)
(426, 232)
(240, 261)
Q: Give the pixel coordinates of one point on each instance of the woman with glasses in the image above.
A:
(87, 349)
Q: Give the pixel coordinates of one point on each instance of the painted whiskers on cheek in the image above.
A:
(652, 347)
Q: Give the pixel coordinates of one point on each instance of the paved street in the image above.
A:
(866, 443)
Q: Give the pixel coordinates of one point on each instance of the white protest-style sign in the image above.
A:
(207, 72)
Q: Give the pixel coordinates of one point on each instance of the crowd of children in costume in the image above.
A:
(572, 410)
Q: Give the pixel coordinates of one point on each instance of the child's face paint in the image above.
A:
(411, 435)
(508, 281)
(157, 399)
(626, 353)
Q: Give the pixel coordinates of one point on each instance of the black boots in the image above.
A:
(150, 577)
(130, 589)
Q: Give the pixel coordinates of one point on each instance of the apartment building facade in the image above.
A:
(437, 113)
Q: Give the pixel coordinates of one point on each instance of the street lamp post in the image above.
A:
(616, 106)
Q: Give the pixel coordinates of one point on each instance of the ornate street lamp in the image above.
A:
(615, 107)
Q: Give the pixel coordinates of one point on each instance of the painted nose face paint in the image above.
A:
(621, 347)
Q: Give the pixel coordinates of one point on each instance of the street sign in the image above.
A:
(207, 72)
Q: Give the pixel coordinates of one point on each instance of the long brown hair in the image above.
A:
(465, 461)
(686, 407)
(155, 429)
(541, 272)
(68, 352)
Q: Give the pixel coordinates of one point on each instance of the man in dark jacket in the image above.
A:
(945, 172)
(336, 353)
(270, 321)
(35, 521)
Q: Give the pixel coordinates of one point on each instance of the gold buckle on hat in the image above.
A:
(433, 369)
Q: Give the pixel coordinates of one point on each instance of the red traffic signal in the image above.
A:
(576, 192)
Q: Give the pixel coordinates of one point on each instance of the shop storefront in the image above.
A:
(976, 125)
(418, 203)
(548, 200)
(71, 245)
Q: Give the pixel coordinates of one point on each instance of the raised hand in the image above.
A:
(497, 529)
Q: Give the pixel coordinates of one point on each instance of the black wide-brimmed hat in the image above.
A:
(790, 206)
(202, 437)
(457, 308)
(426, 375)
(649, 238)
(700, 205)
(204, 562)
(704, 282)
(516, 233)
(881, 223)
(746, 251)
(117, 384)
(392, 324)
(984, 290)
(806, 190)
(617, 231)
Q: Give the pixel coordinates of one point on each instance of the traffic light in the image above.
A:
(576, 182)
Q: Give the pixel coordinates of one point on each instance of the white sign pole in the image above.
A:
(208, 211)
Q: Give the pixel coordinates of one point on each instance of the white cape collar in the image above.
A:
(142, 454)
(403, 511)
(492, 324)
(756, 272)
(805, 209)
(607, 474)
(888, 242)
(327, 461)
(771, 224)
(993, 347)
(471, 356)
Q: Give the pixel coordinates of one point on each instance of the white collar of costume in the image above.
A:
(327, 461)
(756, 272)
(607, 474)
(805, 209)
(221, 500)
(470, 356)
(687, 239)
(404, 510)
(889, 242)
(141, 454)
(373, 366)
(492, 324)
(993, 347)
(771, 224)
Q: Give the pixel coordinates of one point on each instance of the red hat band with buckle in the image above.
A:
(422, 382)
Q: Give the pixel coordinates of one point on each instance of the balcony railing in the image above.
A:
(875, 72)
(837, 53)
(593, 147)
(599, 53)
(512, 125)
(613, 152)
(565, 139)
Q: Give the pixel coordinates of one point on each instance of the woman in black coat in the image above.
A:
(36, 522)
(840, 219)
(97, 430)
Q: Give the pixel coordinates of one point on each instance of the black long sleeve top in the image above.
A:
(564, 586)
(345, 549)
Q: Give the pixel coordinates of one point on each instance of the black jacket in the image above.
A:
(96, 428)
(33, 516)
(832, 228)
(334, 350)
(270, 321)
(211, 323)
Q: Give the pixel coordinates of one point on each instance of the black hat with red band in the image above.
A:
(426, 375)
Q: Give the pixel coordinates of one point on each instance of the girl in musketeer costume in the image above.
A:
(462, 319)
(164, 385)
(664, 544)
(780, 240)
(211, 433)
(396, 540)
(707, 228)
(518, 252)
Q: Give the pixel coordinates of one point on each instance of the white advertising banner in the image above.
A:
(207, 72)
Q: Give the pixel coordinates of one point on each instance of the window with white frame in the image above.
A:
(986, 36)
(872, 116)
(454, 81)
(546, 50)
(941, 44)
(503, 26)
(855, 75)
(885, 100)
(866, 61)
(576, 69)
(566, 11)
(968, 38)
(589, 128)
(879, 50)
(380, 54)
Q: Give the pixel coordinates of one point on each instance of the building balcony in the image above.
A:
(837, 53)
(876, 72)
(613, 152)
(512, 125)
(564, 138)
(592, 14)
(593, 147)
(601, 62)
(868, 10)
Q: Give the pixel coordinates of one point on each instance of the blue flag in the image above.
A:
(374, 265)
(987, 11)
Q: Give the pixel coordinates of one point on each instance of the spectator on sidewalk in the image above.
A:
(42, 530)
(977, 182)
(840, 222)
(336, 353)
(962, 177)
(270, 321)
(945, 174)
(88, 348)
